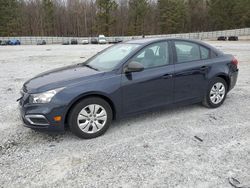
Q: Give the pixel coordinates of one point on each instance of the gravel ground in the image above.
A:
(151, 150)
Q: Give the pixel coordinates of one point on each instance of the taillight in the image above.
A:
(235, 62)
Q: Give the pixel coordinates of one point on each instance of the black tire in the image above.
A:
(73, 115)
(207, 101)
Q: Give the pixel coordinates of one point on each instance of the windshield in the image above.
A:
(110, 58)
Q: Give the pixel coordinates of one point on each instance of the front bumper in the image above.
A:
(41, 116)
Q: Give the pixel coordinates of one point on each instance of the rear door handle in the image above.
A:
(167, 76)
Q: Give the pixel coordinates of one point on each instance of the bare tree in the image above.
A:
(119, 17)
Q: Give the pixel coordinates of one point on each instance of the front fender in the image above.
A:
(107, 88)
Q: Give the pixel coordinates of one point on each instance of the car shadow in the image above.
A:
(158, 113)
(117, 124)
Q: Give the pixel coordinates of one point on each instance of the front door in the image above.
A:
(153, 86)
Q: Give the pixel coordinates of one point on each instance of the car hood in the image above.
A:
(60, 77)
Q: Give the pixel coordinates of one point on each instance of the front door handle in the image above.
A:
(167, 76)
(204, 68)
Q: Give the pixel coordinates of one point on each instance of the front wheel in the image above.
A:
(216, 93)
(90, 118)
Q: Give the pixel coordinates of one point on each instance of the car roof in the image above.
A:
(147, 41)
(152, 40)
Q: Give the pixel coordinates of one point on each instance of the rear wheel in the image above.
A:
(90, 118)
(216, 93)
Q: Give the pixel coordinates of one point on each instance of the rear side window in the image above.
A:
(187, 51)
(205, 53)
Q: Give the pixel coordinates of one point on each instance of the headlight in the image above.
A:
(44, 97)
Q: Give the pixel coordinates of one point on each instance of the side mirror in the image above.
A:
(134, 66)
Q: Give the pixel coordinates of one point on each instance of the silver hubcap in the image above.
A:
(217, 93)
(92, 118)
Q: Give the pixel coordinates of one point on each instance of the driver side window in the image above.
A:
(155, 55)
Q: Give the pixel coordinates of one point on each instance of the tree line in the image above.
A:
(119, 17)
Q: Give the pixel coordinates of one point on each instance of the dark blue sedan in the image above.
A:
(124, 80)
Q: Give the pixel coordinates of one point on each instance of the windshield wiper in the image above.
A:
(89, 66)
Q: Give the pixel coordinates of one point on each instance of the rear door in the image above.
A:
(190, 70)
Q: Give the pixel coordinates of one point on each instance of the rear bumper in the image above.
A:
(233, 79)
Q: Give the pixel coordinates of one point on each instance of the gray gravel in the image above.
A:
(151, 150)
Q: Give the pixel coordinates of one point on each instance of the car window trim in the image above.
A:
(175, 53)
(102, 51)
(145, 46)
(210, 52)
(176, 60)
